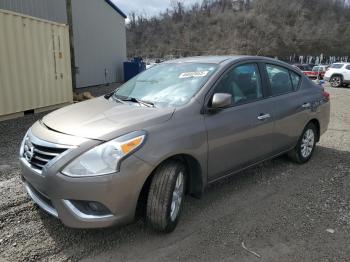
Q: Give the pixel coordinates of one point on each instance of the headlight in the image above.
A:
(105, 158)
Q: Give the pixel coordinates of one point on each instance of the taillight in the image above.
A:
(326, 95)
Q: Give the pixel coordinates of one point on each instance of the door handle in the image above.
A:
(263, 116)
(306, 105)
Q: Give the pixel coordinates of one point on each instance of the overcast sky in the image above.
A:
(149, 7)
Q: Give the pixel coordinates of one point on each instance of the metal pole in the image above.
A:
(71, 42)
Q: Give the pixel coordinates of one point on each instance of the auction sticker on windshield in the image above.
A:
(193, 74)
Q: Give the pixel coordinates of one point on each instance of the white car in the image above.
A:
(338, 74)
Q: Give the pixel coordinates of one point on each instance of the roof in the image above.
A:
(116, 8)
(208, 59)
(344, 63)
(227, 59)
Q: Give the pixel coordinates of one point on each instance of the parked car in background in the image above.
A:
(303, 67)
(317, 72)
(171, 130)
(338, 74)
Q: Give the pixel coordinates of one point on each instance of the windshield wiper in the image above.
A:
(114, 97)
(123, 99)
(139, 101)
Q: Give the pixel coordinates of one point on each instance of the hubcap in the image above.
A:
(307, 143)
(177, 197)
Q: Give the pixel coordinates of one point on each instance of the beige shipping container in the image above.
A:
(35, 69)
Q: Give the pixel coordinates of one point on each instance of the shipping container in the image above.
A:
(35, 69)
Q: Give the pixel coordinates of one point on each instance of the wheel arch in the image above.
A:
(337, 74)
(316, 123)
(194, 183)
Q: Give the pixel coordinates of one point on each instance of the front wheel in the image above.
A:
(336, 81)
(303, 151)
(165, 198)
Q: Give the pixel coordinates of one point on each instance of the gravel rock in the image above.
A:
(330, 230)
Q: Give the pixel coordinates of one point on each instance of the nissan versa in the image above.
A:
(169, 131)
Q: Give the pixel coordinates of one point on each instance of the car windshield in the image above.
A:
(337, 66)
(166, 85)
(317, 68)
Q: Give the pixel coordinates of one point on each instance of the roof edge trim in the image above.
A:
(113, 5)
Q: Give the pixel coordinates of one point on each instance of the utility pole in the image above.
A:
(71, 42)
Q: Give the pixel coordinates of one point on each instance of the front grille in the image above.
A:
(39, 155)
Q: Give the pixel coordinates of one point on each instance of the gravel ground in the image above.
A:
(280, 210)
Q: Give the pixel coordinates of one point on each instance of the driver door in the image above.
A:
(241, 134)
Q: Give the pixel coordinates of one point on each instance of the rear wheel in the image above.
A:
(303, 151)
(336, 81)
(165, 198)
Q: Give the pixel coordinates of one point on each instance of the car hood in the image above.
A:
(102, 119)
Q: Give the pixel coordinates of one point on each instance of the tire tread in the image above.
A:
(159, 196)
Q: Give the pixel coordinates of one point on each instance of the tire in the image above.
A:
(166, 195)
(336, 81)
(305, 147)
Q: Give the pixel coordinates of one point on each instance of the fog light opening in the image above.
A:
(91, 207)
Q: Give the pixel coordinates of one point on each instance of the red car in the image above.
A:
(317, 72)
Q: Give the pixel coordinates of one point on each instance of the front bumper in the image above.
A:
(60, 195)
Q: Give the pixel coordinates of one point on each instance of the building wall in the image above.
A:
(99, 42)
(53, 10)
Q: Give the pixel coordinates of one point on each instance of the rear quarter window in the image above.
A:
(280, 80)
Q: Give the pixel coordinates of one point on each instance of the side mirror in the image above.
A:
(221, 100)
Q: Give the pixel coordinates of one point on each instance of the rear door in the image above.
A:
(291, 107)
(241, 134)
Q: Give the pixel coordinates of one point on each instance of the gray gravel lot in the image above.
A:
(281, 211)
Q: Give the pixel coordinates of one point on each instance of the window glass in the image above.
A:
(348, 67)
(295, 79)
(280, 80)
(243, 83)
(337, 66)
(168, 84)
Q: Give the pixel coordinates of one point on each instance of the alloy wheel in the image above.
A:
(336, 81)
(177, 197)
(307, 143)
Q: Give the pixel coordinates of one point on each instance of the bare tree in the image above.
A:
(262, 27)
